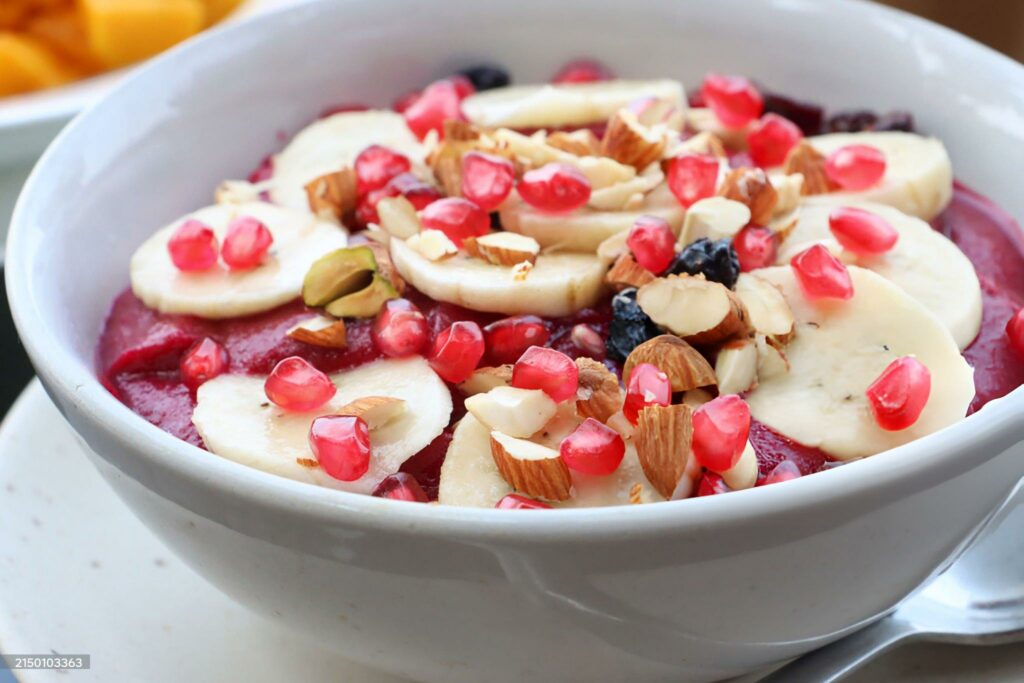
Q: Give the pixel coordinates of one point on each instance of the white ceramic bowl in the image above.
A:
(692, 590)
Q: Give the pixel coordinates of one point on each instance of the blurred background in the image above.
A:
(69, 50)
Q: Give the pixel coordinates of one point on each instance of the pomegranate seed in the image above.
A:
(419, 193)
(647, 386)
(593, 448)
(376, 165)
(341, 444)
(457, 350)
(583, 71)
(457, 218)
(1015, 332)
(246, 243)
(784, 471)
(463, 86)
(771, 139)
(401, 486)
(900, 393)
(652, 242)
(296, 385)
(487, 179)
(712, 484)
(821, 275)
(366, 207)
(693, 177)
(589, 342)
(862, 232)
(551, 371)
(193, 247)
(400, 329)
(439, 102)
(555, 188)
(733, 99)
(514, 501)
(204, 361)
(720, 430)
(855, 167)
(509, 338)
(755, 247)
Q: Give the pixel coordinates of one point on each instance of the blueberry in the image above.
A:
(716, 260)
(852, 121)
(630, 326)
(896, 120)
(487, 76)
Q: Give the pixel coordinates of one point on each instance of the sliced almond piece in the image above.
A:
(385, 266)
(767, 309)
(236, 192)
(620, 423)
(810, 163)
(599, 395)
(788, 189)
(751, 186)
(626, 272)
(521, 271)
(613, 247)
(736, 366)
(663, 436)
(484, 379)
(398, 217)
(742, 475)
(698, 310)
(715, 218)
(629, 142)
(509, 410)
(771, 360)
(530, 468)
(320, 330)
(685, 366)
(704, 142)
(333, 195)
(703, 120)
(376, 411)
(580, 142)
(503, 248)
(433, 245)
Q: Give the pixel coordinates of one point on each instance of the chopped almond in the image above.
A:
(376, 411)
(736, 366)
(513, 411)
(582, 142)
(663, 436)
(599, 395)
(333, 195)
(636, 493)
(308, 463)
(432, 245)
(521, 271)
(767, 309)
(386, 267)
(810, 163)
(626, 272)
(320, 330)
(629, 142)
(685, 366)
(503, 248)
(398, 217)
(484, 379)
(751, 187)
(705, 142)
(771, 360)
(531, 468)
(698, 310)
(613, 247)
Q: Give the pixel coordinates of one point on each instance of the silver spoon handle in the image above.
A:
(838, 660)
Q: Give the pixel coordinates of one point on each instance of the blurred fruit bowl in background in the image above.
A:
(46, 43)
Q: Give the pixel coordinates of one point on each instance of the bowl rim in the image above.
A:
(75, 382)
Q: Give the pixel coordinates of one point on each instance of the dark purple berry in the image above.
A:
(808, 117)
(486, 76)
(717, 261)
(630, 326)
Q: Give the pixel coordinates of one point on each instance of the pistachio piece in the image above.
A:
(338, 273)
(366, 302)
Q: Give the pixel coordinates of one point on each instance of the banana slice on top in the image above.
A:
(840, 348)
(470, 478)
(334, 142)
(570, 104)
(237, 422)
(925, 264)
(918, 172)
(300, 238)
(583, 230)
(557, 284)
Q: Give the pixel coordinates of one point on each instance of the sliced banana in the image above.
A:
(585, 229)
(470, 478)
(918, 172)
(557, 285)
(300, 238)
(334, 142)
(925, 264)
(839, 349)
(237, 422)
(577, 104)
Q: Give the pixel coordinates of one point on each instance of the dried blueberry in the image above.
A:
(630, 326)
(716, 260)
(487, 76)
(896, 120)
(808, 117)
(852, 121)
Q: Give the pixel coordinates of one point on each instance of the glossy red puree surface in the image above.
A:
(139, 349)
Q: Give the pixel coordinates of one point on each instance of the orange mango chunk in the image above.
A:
(64, 32)
(218, 9)
(26, 64)
(124, 31)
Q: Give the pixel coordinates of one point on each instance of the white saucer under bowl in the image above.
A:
(80, 575)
